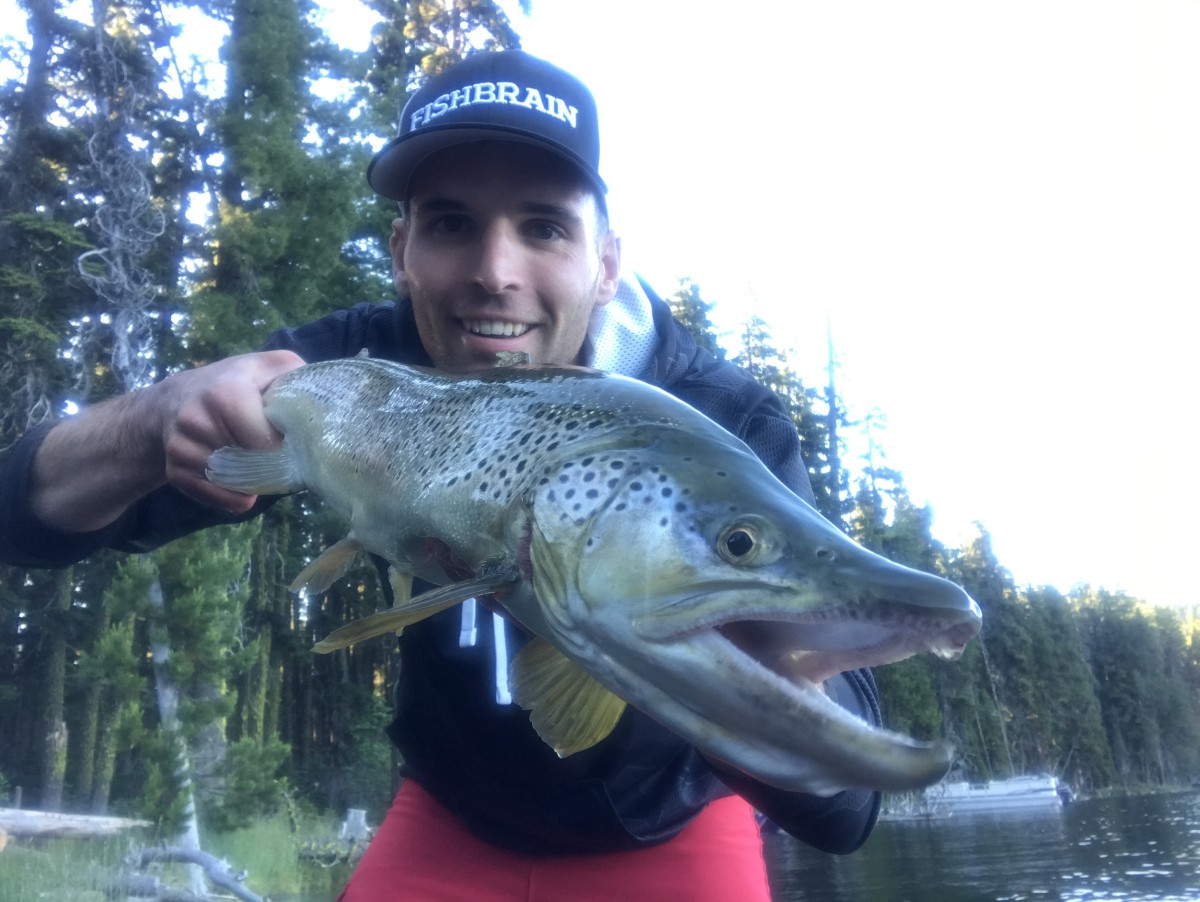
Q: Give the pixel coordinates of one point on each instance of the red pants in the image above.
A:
(421, 853)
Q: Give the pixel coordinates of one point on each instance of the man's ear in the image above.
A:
(396, 242)
(609, 276)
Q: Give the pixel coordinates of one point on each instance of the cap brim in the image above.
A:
(391, 170)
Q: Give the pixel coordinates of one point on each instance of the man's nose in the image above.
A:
(499, 260)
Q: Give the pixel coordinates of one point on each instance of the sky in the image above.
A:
(993, 206)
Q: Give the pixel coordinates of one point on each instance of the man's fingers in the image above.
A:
(221, 405)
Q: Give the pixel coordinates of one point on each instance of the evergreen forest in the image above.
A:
(158, 214)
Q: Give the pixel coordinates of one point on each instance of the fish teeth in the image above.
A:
(495, 328)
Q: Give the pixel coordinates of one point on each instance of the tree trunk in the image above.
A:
(167, 693)
(87, 731)
(54, 725)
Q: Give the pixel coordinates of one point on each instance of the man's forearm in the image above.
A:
(93, 466)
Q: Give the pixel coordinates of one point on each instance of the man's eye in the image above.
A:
(450, 224)
(544, 231)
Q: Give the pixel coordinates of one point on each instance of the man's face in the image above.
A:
(501, 251)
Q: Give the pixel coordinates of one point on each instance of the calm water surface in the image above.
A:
(1132, 849)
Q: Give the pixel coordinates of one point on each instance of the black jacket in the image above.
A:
(480, 759)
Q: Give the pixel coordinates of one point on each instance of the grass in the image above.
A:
(49, 870)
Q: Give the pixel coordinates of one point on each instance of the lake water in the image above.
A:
(1127, 849)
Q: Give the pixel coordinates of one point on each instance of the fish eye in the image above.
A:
(739, 543)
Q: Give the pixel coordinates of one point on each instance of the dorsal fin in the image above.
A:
(512, 358)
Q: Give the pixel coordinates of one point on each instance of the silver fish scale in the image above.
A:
(500, 462)
(484, 438)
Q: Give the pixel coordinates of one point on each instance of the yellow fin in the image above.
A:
(414, 610)
(569, 709)
(401, 590)
(393, 620)
(330, 565)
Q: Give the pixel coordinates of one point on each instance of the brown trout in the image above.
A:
(655, 559)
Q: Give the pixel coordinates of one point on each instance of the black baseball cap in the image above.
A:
(504, 95)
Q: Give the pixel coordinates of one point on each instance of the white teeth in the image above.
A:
(495, 328)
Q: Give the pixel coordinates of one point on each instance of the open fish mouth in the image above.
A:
(747, 682)
(813, 650)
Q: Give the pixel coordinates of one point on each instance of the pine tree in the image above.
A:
(690, 308)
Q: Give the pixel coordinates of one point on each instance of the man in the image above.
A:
(502, 244)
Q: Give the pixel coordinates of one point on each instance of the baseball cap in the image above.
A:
(505, 95)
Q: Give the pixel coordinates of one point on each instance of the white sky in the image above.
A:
(995, 204)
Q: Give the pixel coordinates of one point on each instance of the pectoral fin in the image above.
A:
(396, 618)
(569, 709)
(254, 472)
(329, 566)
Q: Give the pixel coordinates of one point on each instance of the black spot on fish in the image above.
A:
(593, 493)
(667, 492)
(570, 494)
(617, 464)
(589, 476)
(586, 462)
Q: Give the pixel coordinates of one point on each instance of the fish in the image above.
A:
(654, 559)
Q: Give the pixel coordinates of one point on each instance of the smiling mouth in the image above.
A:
(495, 328)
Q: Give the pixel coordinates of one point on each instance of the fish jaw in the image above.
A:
(749, 691)
(783, 731)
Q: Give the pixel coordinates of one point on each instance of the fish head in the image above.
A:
(695, 585)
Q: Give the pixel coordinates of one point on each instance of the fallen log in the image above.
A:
(20, 822)
(218, 871)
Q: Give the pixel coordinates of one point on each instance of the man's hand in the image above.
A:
(90, 468)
